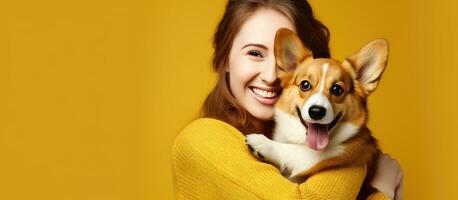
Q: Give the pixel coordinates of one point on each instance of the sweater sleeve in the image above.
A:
(211, 161)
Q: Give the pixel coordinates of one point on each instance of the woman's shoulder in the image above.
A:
(208, 124)
(207, 128)
(207, 133)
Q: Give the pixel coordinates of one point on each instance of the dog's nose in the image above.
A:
(317, 112)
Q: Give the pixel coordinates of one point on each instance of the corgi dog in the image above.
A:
(321, 116)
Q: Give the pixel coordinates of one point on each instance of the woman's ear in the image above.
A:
(289, 52)
(370, 63)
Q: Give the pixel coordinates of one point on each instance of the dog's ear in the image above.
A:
(370, 63)
(289, 52)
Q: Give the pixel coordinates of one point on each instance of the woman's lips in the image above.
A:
(266, 97)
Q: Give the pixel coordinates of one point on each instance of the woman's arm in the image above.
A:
(211, 161)
(343, 183)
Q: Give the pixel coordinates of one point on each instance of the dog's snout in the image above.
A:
(317, 112)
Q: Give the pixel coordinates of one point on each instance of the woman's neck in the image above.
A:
(261, 126)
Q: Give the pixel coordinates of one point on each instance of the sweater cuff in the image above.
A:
(378, 196)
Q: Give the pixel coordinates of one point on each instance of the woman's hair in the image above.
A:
(220, 104)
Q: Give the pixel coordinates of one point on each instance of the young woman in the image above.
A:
(211, 160)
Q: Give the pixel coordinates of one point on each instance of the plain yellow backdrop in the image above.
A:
(93, 93)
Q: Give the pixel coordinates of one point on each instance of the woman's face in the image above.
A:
(252, 71)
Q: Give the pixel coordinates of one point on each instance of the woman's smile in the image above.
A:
(265, 96)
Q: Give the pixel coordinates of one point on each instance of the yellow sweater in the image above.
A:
(211, 161)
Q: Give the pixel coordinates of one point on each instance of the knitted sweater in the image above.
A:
(211, 161)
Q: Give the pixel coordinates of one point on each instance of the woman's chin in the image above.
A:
(264, 114)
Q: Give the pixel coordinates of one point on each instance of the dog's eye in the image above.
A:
(336, 90)
(255, 53)
(305, 86)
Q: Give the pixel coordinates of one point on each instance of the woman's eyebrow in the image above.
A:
(256, 45)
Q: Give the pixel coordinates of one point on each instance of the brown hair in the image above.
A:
(220, 104)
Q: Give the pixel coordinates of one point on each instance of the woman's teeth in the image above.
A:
(265, 94)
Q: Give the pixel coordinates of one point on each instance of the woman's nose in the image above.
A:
(269, 73)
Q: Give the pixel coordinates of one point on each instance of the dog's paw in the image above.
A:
(258, 144)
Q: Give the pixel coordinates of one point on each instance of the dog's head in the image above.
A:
(327, 96)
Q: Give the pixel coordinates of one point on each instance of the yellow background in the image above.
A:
(92, 93)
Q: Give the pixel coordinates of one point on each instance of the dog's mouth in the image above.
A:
(318, 134)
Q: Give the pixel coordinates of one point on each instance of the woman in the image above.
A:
(210, 158)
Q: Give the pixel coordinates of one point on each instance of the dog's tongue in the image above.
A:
(317, 136)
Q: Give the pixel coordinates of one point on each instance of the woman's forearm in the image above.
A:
(211, 161)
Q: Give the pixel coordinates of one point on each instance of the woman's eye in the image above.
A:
(336, 90)
(255, 53)
(305, 86)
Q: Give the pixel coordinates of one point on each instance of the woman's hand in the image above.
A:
(388, 178)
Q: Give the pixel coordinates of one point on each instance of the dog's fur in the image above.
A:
(340, 137)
